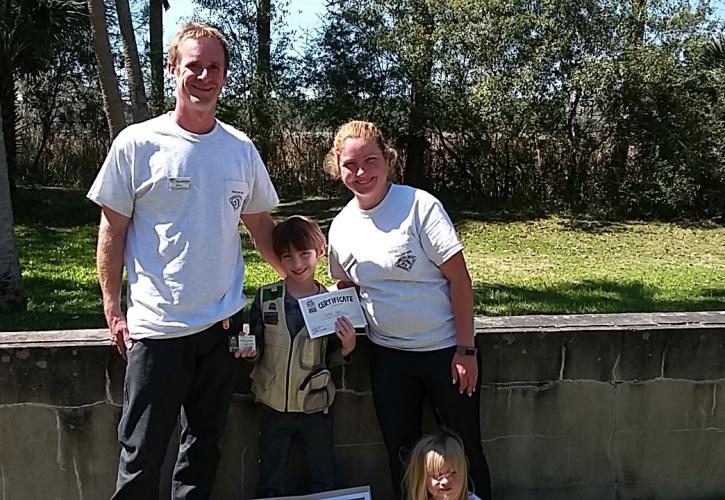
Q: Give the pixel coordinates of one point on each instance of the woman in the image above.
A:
(398, 245)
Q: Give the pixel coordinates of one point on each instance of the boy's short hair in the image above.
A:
(298, 233)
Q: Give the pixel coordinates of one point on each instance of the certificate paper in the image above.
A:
(321, 311)
(359, 493)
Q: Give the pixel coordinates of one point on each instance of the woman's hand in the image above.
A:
(464, 372)
(342, 284)
(346, 333)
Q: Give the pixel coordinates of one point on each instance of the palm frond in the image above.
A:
(714, 53)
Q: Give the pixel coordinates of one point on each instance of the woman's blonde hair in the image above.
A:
(435, 455)
(357, 129)
(196, 31)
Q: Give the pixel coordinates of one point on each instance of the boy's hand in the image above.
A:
(247, 352)
(346, 333)
(250, 351)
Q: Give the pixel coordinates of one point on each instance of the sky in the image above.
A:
(302, 14)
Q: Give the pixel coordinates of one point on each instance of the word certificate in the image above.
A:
(321, 311)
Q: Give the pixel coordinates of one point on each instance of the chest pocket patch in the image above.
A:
(236, 201)
(405, 260)
(271, 318)
(235, 193)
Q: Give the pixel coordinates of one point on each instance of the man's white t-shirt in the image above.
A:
(392, 252)
(184, 194)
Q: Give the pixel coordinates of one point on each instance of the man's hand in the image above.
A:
(109, 263)
(260, 226)
(464, 372)
(346, 333)
(119, 333)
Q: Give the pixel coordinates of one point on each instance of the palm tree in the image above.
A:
(156, 49)
(262, 83)
(113, 105)
(11, 288)
(136, 89)
(30, 30)
(714, 53)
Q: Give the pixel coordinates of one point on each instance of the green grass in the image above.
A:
(557, 265)
(552, 265)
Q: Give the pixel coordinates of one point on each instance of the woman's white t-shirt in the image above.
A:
(392, 252)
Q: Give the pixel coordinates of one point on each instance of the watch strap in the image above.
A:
(466, 351)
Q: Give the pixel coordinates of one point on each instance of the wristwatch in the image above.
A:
(466, 351)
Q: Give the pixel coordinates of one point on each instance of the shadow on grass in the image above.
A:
(55, 304)
(594, 226)
(46, 320)
(54, 207)
(590, 296)
(61, 207)
(321, 210)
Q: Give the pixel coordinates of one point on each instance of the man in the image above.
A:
(172, 191)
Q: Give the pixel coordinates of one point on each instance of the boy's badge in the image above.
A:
(269, 294)
(271, 318)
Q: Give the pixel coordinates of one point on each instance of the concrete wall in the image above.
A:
(623, 406)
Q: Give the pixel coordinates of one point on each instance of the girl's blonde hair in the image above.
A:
(435, 455)
(357, 129)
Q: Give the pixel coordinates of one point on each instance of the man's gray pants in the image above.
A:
(192, 377)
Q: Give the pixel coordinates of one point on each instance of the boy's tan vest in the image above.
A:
(291, 375)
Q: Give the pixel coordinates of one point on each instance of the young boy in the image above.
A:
(290, 378)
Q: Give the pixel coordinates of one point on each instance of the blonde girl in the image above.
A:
(397, 244)
(438, 469)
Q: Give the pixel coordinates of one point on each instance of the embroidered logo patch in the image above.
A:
(269, 294)
(406, 261)
(236, 201)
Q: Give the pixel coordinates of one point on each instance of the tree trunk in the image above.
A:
(156, 49)
(112, 103)
(133, 65)
(416, 171)
(622, 145)
(263, 79)
(639, 21)
(11, 286)
(9, 120)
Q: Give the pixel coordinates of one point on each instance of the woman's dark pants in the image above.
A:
(401, 382)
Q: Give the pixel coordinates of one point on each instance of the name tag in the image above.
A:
(179, 182)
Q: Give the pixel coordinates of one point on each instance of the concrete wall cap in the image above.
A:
(540, 323)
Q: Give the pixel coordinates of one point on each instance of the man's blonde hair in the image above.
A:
(194, 31)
